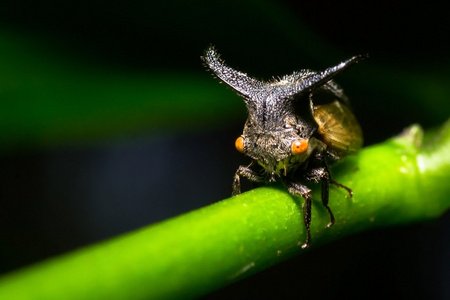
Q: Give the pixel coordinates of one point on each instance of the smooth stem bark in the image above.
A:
(396, 182)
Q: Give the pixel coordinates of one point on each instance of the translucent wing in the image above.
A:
(338, 127)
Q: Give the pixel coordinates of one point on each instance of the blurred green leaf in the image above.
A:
(46, 98)
(49, 94)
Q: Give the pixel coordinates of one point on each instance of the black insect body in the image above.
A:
(297, 125)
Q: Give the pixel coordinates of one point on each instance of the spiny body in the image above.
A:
(296, 126)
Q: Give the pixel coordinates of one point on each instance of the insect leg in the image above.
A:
(301, 190)
(322, 174)
(325, 195)
(247, 173)
(330, 178)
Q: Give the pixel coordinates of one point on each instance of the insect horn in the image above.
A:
(238, 81)
(317, 79)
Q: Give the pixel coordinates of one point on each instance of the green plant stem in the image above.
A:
(394, 183)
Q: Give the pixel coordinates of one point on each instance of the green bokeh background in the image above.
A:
(82, 77)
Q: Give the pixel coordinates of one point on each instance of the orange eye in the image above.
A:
(299, 146)
(240, 144)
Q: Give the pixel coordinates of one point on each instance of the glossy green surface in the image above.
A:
(394, 183)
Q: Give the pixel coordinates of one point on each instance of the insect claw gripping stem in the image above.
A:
(349, 190)
(247, 173)
(304, 192)
(236, 185)
(325, 198)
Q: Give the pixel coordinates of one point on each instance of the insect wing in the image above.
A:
(338, 127)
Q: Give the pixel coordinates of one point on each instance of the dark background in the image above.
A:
(55, 199)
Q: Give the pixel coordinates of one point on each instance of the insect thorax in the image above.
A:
(269, 138)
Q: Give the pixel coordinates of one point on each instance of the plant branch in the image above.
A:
(397, 182)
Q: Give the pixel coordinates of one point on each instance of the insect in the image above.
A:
(297, 126)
